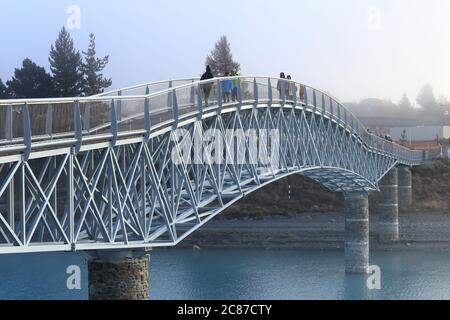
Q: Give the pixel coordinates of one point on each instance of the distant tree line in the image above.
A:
(430, 110)
(72, 73)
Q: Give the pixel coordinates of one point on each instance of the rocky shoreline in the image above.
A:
(418, 230)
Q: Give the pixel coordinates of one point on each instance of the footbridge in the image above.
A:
(147, 166)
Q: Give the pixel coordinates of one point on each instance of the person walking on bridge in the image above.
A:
(207, 86)
(227, 87)
(302, 93)
(291, 90)
(281, 85)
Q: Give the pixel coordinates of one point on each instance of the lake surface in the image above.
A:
(242, 274)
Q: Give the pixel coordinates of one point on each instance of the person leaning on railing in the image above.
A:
(207, 87)
(281, 83)
(291, 91)
(302, 93)
(234, 92)
(227, 87)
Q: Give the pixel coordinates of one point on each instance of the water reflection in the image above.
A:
(242, 274)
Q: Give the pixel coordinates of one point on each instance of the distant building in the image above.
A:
(420, 133)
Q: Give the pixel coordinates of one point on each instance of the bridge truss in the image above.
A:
(130, 176)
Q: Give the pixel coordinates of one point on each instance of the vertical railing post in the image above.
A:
(49, 120)
(192, 96)
(169, 96)
(331, 108)
(255, 93)
(239, 94)
(219, 97)
(323, 105)
(71, 200)
(9, 123)
(270, 92)
(295, 96)
(87, 117)
(200, 102)
(26, 132)
(114, 125)
(339, 112)
(77, 126)
(314, 102)
(144, 190)
(119, 107)
(147, 121)
(175, 109)
(22, 204)
(345, 118)
(11, 201)
(306, 98)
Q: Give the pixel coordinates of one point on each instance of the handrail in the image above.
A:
(342, 115)
(145, 85)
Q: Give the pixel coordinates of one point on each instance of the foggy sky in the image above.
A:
(353, 49)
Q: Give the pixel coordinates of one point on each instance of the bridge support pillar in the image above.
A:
(121, 275)
(357, 232)
(388, 227)
(404, 188)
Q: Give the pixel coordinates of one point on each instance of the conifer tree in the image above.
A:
(66, 65)
(221, 60)
(30, 81)
(94, 81)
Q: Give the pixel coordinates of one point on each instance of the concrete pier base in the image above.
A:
(404, 188)
(388, 229)
(122, 275)
(357, 233)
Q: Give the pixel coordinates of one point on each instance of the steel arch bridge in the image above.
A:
(122, 170)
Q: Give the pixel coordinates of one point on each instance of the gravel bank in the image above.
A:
(320, 231)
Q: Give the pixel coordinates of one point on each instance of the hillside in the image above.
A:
(431, 188)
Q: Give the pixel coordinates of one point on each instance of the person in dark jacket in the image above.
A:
(234, 92)
(207, 86)
(281, 85)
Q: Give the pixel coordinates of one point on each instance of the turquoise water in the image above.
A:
(242, 274)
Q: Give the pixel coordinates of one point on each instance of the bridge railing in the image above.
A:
(148, 88)
(138, 109)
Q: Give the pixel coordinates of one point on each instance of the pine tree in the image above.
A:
(221, 60)
(426, 98)
(3, 91)
(65, 64)
(92, 68)
(405, 103)
(30, 81)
